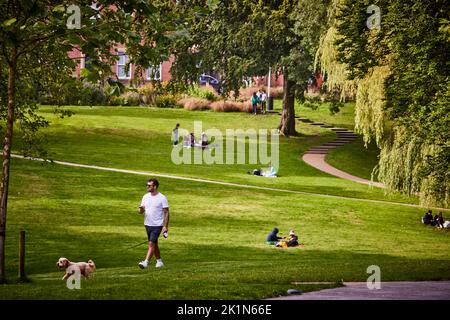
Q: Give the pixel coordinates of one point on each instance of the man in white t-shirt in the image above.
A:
(155, 208)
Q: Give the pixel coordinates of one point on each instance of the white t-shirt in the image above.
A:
(153, 215)
(263, 97)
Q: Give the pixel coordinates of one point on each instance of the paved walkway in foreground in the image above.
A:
(396, 290)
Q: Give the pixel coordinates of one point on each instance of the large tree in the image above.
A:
(239, 39)
(35, 38)
(402, 70)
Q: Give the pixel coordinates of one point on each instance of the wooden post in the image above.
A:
(22, 255)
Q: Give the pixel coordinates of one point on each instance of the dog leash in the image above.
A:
(137, 245)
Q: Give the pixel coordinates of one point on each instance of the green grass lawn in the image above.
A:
(355, 159)
(216, 247)
(139, 139)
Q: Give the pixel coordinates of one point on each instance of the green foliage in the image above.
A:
(370, 115)
(35, 40)
(239, 39)
(336, 72)
(310, 105)
(166, 101)
(147, 93)
(38, 32)
(403, 99)
(204, 93)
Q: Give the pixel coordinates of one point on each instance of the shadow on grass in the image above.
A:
(210, 271)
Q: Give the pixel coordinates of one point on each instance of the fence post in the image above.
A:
(22, 255)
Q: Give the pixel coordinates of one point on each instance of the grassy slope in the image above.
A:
(355, 159)
(139, 139)
(216, 247)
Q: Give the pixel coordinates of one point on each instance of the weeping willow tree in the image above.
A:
(336, 73)
(401, 75)
(370, 116)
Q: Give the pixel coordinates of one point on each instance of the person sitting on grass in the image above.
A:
(293, 239)
(439, 220)
(192, 139)
(272, 238)
(204, 139)
(427, 218)
(187, 141)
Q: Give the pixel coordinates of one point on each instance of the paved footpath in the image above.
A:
(395, 290)
(318, 161)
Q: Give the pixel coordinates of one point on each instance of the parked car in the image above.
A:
(207, 79)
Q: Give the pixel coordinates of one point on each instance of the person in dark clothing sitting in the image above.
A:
(427, 218)
(293, 239)
(439, 220)
(272, 238)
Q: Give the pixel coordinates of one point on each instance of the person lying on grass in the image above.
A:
(271, 172)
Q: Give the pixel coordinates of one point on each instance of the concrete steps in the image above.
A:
(344, 137)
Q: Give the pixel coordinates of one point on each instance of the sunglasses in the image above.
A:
(150, 185)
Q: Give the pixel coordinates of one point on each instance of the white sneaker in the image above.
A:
(159, 264)
(143, 264)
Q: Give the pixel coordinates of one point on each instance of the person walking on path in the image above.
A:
(155, 208)
(175, 135)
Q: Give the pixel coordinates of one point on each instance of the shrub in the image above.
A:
(130, 98)
(191, 103)
(276, 92)
(116, 101)
(246, 93)
(205, 92)
(97, 96)
(166, 101)
(147, 93)
(231, 106)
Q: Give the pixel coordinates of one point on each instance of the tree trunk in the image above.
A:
(12, 68)
(287, 123)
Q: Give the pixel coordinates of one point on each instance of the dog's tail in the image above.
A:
(91, 264)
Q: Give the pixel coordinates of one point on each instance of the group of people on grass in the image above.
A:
(437, 221)
(259, 99)
(189, 140)
(283, 242)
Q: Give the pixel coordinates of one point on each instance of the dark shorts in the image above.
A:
(153, 233)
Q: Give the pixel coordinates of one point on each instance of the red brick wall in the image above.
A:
(75, 54)
(165, 69)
